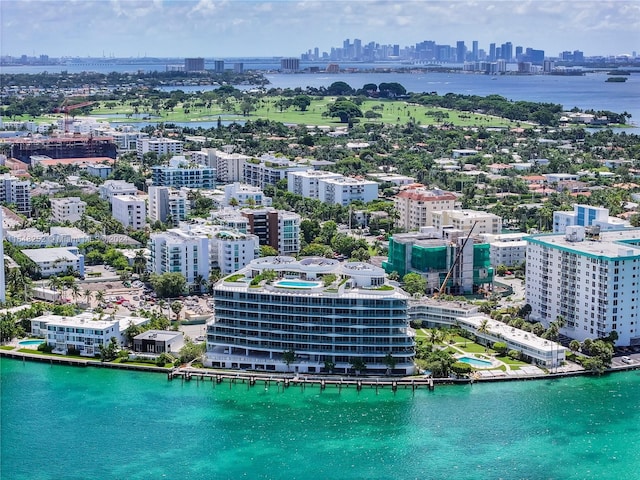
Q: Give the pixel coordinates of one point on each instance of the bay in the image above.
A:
(76, 423)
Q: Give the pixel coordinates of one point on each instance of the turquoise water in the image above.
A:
(297, 284)
(77, 423)
(30, 342)
(475, 362)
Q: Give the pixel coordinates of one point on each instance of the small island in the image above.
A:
(616, 79)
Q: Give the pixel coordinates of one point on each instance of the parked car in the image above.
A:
(626, 359)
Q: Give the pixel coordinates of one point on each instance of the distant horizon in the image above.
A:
(287, 28)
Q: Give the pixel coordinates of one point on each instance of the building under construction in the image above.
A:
(73, 146)
(436, 255)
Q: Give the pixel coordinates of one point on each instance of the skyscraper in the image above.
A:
(492, 52)
(474, 50)
(461, 51)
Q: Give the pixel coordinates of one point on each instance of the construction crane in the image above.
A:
(66, 108)
(443, 286)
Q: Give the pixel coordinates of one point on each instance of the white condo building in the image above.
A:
(57, 236)
(592, 280)
(84, 332)
(16, 191)
(305, 183)
(507, 249)
(130, 211)
(67, 209)
(194, 250)
(587, 216)
(269, 170)
(245, 195)
(3, 286)
(56, 261)
(343, 191)
(168, 204)
(160, 146)
(229, 166)
(416, 205)
(327, 312)
(465, 219)
(112, 188)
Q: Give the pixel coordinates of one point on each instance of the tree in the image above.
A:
(483, 327)
(439, 362)
(392, 89)
(99, 296)
(414, 283)
(461, 369)
(500, 347)
(176, 307)
(574, 345)
(344, 109)
(191, 351)
(339, 88)
(8, 328)
(301, 102)
(390, 362)
(110, 351)
(358, 364)
(525, 311)
(268, 251)
(288, 357)
(168, 284)
(329, 365)
(131, 331)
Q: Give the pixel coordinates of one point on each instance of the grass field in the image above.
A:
(393, 112)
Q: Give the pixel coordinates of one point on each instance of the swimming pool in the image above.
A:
(475, 362)
(297, 284)
(30, 342)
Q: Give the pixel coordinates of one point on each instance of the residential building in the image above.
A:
(112, 188)
(159, 146)
(17, 192)
(158, 341)
(277, 228)
(168, 205)
(415, 205)
(57, 236)
(587, 216)
(130, 211)
(269, 170)
(194, 250)
(466, 219)
(194, 64)
(305, 182)
(245, 196)
(438, 313)
(507, 249)
(56, 261)
(229, 166)
(590, 279)
(3, 287)
(433, 257)
(84, 332)
(290, 64)
(343, 191)
(67, 209)
(99, 170)
(325, 311)
(230, 218)
(178, 177)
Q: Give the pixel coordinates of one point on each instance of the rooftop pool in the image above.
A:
(475, 362)
(297, 284)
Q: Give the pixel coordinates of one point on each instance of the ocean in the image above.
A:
(71, 423)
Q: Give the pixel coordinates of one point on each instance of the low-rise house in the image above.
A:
(55, 261)
(158, 341)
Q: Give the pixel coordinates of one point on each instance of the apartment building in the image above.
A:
(229, 166)
(112, 188)
(178, 177)
(306, 183)
(159, 146)
(590, 279)
(507, 249)
(269, 170)
(587, 216)
(130, 211)
(17, 192)
(84, 332)
(415, 206)
(466, 219)
(56, 261)
(67, 209)
(168, 205)
(325, 311)
(277, 228)
(343, 191)
(57, 236)
(245, 195)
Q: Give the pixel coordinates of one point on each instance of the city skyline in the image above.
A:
(211, 28)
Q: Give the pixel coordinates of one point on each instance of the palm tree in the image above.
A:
(87, 296)
(75, 291)
(99, 296)
(139, 262)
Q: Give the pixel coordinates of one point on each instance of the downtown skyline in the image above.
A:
(223, 29)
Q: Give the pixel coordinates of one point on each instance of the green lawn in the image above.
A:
(7, 347)
(393, 112)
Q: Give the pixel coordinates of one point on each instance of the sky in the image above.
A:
(250, 28)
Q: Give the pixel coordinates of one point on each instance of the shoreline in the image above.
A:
(203, 374)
